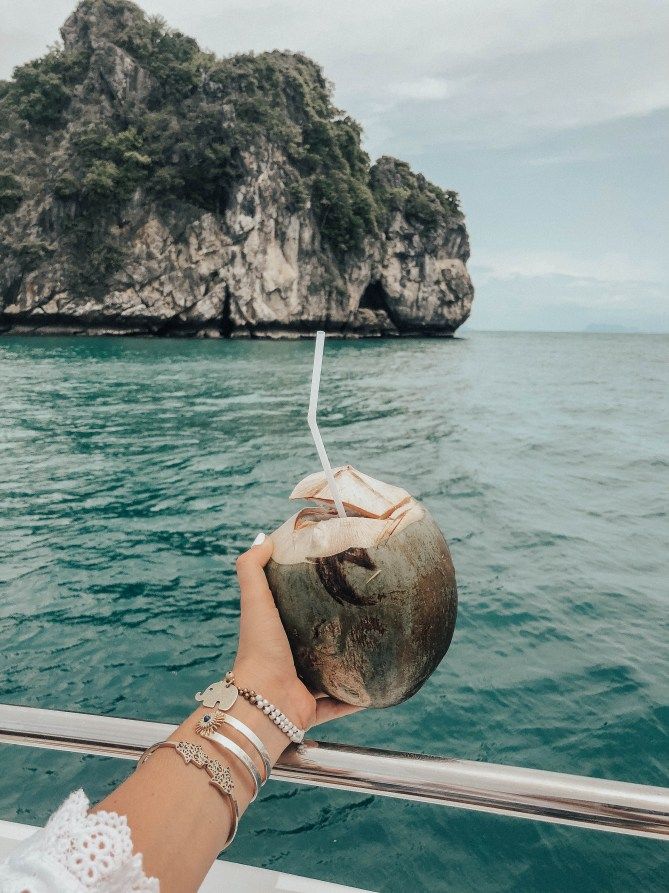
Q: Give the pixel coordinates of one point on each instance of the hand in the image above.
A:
(264, 660)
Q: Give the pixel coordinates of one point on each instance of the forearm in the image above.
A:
(179, 822)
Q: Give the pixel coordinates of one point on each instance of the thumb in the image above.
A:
(330, 708)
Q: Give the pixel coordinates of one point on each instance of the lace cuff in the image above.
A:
(76, 853)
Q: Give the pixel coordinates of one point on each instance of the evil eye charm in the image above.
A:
(210, 722)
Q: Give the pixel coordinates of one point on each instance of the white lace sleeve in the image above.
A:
(77, 853)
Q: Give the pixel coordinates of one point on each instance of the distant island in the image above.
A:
(148, 187)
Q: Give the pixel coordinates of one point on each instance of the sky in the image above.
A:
(549, 117)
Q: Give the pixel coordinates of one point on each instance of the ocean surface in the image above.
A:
(132, 472)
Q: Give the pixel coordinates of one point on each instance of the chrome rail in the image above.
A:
(595, 803)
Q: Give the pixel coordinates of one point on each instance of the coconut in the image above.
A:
(368, 601)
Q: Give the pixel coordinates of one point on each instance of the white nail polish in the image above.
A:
(259, 540)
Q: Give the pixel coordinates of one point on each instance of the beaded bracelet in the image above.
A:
(220, 776)
(278, 718)
(222, 695)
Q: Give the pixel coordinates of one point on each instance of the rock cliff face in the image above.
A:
(148, 187)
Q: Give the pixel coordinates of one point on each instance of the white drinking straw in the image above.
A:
(313, 424)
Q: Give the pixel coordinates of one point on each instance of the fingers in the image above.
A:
(257, 603)
(250, 571)
(329, 708)
(259, 553)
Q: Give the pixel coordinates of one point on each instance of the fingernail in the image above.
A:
(259, 540)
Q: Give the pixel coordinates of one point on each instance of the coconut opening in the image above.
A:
(374, 512)
(363, 496)
(313, 515)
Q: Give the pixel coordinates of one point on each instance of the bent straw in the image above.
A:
(313, 424)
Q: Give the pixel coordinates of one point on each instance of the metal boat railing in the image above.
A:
(595, 803)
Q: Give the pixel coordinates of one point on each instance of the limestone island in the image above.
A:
(148, 187)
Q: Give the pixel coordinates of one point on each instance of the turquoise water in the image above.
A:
(133, 471)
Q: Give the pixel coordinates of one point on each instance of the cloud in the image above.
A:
(558, 304)
(581, 155)
(516, 99)
(609, 267)
(555, 291)
(424, 89)
(491, 73)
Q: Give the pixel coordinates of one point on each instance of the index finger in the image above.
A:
(257, 600)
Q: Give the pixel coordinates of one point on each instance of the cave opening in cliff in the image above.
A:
(226, 324)
(375, 297)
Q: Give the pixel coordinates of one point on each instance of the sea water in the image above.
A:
(132, 473)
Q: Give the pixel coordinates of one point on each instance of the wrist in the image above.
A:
(274, 739)
(244, 787)
(273, 729)
(286, 692)
(271, 736)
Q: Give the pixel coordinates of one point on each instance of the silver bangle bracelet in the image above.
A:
(242, 756)
(212, 722)
(253, 739)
